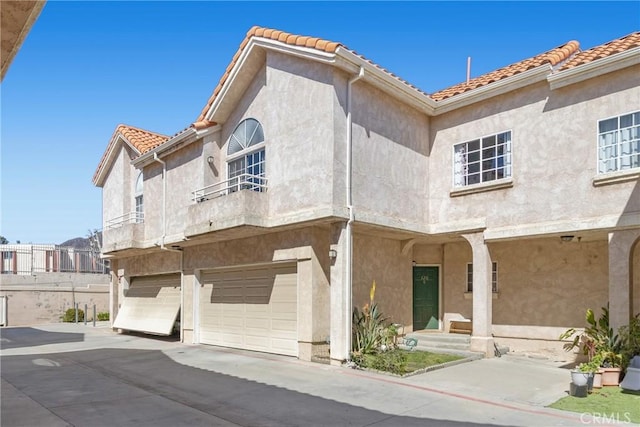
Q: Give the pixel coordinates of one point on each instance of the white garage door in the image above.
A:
(252, 308)
(151, 304)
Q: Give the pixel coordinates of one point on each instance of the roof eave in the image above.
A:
(386, 82)
(595, 68)
(100, 175)
(187, 136)
(494, 89)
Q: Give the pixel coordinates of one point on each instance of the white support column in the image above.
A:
(481, 338)
(113, 292)
(339, 352)
(621, 245)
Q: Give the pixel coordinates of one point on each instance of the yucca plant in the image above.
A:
(368, 327)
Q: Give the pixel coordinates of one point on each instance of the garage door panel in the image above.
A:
(249, 308)
(151, 304)
(284, 346)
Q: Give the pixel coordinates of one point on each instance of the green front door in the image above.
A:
(425, 298)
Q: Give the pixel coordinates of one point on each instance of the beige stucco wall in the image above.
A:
(118, 189)
(292, 101)
(40, 304)
(541, 282)
(554, 141)
(380, 259)
(390, 165)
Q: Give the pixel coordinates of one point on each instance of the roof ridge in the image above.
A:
(123, 125)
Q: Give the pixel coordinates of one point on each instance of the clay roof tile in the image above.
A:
(552, 57)
(613, 47)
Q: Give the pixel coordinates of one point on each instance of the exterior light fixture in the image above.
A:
(333, 254)
(566, 238)
(210, 160)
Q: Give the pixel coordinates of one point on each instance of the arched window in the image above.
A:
(139, 217)
(246, 157)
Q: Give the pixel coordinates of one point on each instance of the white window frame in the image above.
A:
(618, 145)
(260, 147)
(460, 164)
(494, 277)
(139, 199)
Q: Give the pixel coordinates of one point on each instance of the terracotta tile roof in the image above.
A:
(140, 139)
(611, 48)
(553, 57)
(291, 39)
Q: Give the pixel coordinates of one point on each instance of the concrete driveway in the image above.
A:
(67, 374)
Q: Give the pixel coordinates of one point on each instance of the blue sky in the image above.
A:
(88, 66)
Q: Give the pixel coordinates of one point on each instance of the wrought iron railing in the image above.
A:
(128, 218)
(244, 181)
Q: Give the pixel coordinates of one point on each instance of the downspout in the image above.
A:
(349, 228)
(164, 235)
(164, 198)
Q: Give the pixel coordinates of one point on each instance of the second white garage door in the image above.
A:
(253, 308)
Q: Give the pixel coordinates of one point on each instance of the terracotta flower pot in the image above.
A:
(597, 379)
(611, 376)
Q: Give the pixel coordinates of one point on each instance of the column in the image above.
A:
(621, 244)
(481, 338)
(338, 347)
(113, 291)
(187, 308)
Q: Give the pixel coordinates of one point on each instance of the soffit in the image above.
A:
(16, 20)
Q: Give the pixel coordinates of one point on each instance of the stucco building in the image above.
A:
(511, 200)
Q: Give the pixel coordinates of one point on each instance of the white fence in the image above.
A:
(30, 259)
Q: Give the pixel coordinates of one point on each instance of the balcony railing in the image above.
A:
(128, 218)
(240, 182)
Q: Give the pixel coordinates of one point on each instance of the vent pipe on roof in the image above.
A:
(468, 69)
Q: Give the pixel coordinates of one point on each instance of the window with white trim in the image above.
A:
(482, 160)
(246, 157)
(619, 143)
(494, 277)
(139, 200)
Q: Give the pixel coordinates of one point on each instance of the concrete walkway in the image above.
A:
(505, 391)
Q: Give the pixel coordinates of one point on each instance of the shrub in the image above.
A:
(598, 336)
(70, 315)
(630, 340)
(103, 316)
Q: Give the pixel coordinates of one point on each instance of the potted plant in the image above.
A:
(594, 371)
(580, 377)
(599, 343)
(611, 367)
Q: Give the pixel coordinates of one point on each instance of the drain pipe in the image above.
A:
(164, 198)
(349, 228)
(164, 235)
